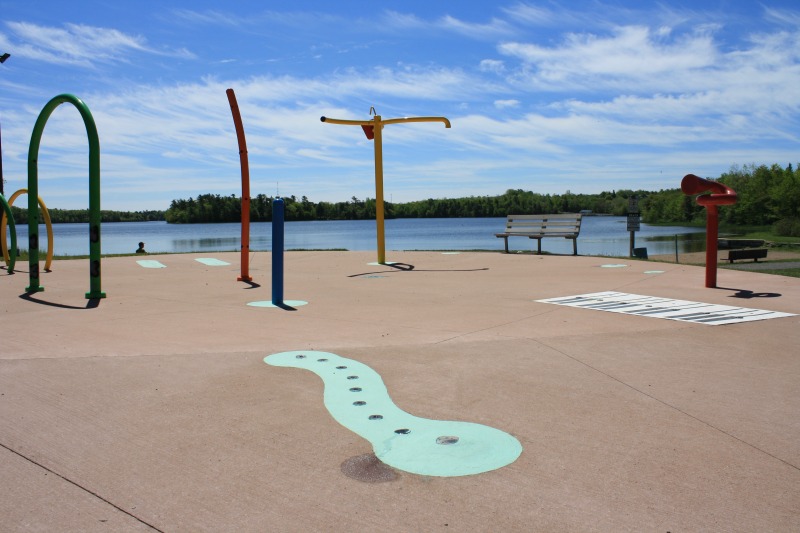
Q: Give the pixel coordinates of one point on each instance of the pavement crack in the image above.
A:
(673, 407)
(488, 328)
(81, 487)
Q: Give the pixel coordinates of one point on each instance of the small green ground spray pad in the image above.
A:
(286, 303)
(151, 263)
(210, 261)
(357, 398)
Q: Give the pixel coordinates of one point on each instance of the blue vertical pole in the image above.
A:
(278, 210)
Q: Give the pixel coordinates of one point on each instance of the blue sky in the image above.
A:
(585, 96)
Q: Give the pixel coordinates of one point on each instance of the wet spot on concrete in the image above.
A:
(369, 469)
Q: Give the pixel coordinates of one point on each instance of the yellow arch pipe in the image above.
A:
(48, 224)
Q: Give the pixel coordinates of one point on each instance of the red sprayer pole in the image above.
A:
(718, 194)
(237, 122)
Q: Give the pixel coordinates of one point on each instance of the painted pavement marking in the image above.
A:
(210, 261)
(683, 310)
(286, 303)
(357, 398)
(151, 263)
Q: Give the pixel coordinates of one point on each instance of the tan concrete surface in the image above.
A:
(153, 410)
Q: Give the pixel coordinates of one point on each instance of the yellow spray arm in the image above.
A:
(387, 121)
(418, 119)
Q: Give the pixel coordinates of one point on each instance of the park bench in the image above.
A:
(743, 249)
(747, 253)
(538, 227)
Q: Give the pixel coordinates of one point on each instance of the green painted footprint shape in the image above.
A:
(357, 398)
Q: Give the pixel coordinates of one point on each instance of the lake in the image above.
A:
(600, 235)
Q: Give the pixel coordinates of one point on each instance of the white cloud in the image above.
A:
(78, 44)
(504, 104)
(629, 54)
(788, 17)
(493, 29)
(492, 65)
(532, 14)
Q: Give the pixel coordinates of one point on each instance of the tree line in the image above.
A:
(767, 196)
(218, 208)
(63, 216)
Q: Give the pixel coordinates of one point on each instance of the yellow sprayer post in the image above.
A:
(374, 130)
(379, 224)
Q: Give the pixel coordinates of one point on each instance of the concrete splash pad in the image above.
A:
(154, 409)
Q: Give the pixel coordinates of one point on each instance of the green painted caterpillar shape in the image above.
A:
(357, 398)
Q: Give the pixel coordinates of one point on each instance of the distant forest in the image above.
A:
(60, 216)
(768, 196)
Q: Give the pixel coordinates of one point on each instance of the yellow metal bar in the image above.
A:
(385, 122)
(48, 227)
(378, 126)
(418, 119)
(346, 122)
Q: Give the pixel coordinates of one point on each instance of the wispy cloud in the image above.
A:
(493, 29)
(629, 55)
(78, 44)
(788, 17)
(503, 104)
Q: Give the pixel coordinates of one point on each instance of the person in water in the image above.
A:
(140, 249)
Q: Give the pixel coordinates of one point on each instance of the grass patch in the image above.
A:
(789, 272)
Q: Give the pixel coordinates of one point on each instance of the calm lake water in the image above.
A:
(600, 235)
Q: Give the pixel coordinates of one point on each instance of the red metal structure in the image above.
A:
(237, 122)
(717, 194)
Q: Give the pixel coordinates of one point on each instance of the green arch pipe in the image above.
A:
(13, 255)
(94, 195)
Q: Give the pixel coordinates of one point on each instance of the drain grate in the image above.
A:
(683, 310)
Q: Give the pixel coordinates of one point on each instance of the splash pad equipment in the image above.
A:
(10, 262)
(357, 398)
(245, 166)
(278, 212)
(373, 129)
(94, 195)
(711, 195)
(48, 225)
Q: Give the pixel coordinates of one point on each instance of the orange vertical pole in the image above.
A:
(237, 122)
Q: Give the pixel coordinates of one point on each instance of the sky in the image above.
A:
(582, 96)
